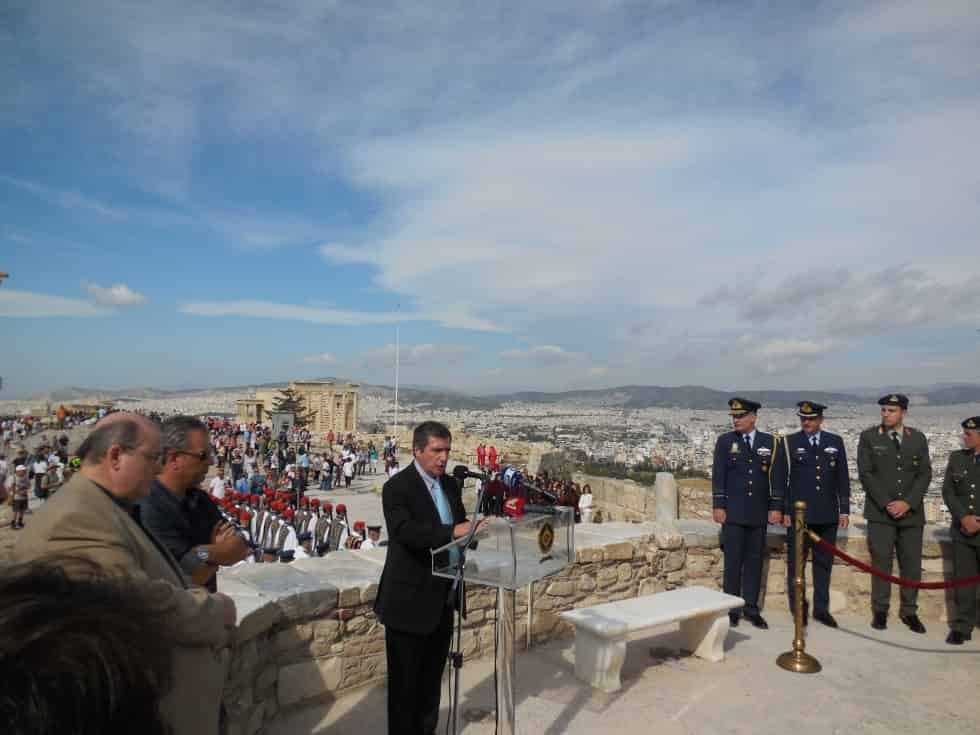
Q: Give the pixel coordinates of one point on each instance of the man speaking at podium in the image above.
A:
(423, 510)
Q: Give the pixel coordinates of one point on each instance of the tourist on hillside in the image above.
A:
(348, 470)
(585, 503)
(20, 488)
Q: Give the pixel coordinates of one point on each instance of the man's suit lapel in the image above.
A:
(427, 502)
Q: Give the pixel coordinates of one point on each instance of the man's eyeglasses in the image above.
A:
(201, 456)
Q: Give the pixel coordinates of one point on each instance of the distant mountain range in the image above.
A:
(627, 396)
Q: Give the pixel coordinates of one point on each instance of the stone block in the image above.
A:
(607, 576)
(585, 583)
(673, 561)
(356, 626)
(586, 555)
(667, 538)
(267, 678)
(544, 622)
(624, 573)
(308, 679)
(258, 620)
(326, 630)
(349, 597)
(618, 552)
(561, 588)
(651, 587)
(292, 637)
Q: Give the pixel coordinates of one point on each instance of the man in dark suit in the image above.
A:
(812, 466)
(743, 503)
(423, 511)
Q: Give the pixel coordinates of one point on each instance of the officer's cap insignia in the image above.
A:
(893, 398)
(737, 405)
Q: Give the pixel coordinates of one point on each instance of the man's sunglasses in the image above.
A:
(201, 456)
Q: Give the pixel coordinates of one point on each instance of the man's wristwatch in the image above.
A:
(203, 554)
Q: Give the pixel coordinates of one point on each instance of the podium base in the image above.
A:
(799, 662)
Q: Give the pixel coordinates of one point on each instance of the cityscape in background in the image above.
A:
(600, 431)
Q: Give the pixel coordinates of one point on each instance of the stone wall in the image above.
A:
(307, 634)
(626, 500)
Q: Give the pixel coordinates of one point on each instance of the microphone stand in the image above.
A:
(458, 589)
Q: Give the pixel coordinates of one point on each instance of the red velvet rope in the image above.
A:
(951, 584)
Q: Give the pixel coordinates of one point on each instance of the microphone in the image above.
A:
(513, 478)
(461, 472)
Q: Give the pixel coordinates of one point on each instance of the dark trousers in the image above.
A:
(743, 562)
(415, 666)
(906, 543)
(966, 563)
(823, 562)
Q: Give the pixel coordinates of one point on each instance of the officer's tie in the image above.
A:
(896, 442)
(813, 441)
(748, 442)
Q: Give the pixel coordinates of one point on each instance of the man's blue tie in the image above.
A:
(445, 515)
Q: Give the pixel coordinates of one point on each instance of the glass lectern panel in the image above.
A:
(513, 552)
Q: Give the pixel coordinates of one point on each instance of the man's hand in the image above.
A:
(844, 521)
(788, 520)
(228, 612)
(897, 508)
(775, 517)
(462, 529)
(970, 525)
(228, 547)
(718, 515)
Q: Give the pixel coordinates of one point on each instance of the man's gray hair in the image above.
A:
(175, 430)
(126, 433)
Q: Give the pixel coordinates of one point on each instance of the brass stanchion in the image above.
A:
(798, 659)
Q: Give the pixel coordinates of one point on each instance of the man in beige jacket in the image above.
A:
(92, 518)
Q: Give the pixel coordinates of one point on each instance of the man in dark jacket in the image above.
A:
(423, 511)
(743, 503)
(960, 489)
(811, 465)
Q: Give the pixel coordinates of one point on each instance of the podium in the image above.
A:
(511, 553)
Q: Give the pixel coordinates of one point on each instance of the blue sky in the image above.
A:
(558, 196)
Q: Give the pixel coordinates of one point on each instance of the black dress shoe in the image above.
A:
(955, 638)
(826, 618)
(757, 620)
(733, 619)
(879, 621)
(915, 625)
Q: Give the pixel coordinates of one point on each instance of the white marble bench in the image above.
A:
(601, 631)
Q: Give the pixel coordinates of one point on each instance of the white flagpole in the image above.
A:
(397, 355)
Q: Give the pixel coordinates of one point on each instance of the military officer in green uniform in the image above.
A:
(894, 468)
(961, 493)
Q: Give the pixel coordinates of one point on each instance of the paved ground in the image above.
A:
(888, 682)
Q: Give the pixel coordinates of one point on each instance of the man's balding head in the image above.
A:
(122, 454)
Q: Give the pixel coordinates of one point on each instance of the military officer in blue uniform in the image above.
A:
(743, 503)
(811, 466)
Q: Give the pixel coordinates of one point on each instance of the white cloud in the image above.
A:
(324, 358)
(782, 356)
(65, 198)
(417, 354)
(541, 355)
(598, 371)
(320, 315)
(30, 305)
(118, 294)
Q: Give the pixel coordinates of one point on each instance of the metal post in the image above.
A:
(530, 615)
(798, 659)
(505, 661)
